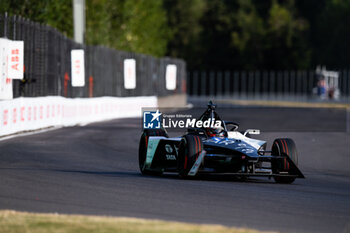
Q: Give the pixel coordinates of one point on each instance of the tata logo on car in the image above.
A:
(152, 119)
(168, 148)
(170, 157)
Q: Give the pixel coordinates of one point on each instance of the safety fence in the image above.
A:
(47, 64)
(266, 84)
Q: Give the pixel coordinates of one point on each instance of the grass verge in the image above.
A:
(23, 222)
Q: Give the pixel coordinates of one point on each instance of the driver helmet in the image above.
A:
(216, 132)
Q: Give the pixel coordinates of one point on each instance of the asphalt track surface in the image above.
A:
(94, 170)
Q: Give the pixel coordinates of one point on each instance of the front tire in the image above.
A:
(286, 146)
(190, 148)
(143, 149)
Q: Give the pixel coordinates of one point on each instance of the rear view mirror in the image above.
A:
(252, 131)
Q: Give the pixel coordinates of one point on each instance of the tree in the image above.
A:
(288, 48)
(217, 22)
(331, 35)
(248, 37)
(98, 22)
(185, 28)
(143, 27)
(272, 41)
(57, 14)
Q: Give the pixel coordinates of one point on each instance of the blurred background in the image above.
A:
(241, 48)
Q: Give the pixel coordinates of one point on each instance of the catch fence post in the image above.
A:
(285, 84)
(203, 83)
(14, 27)
(5, 25)
(257, 85)
(236, 92)
(272, 89)
(194, 88)
(310, 82)
(304, 90)
(299, 83)
(219, 82)
(279, 85)
(292, 83)
(212, 84)
(250, 88)
(243, 79)
(91, 86)
(347, 87)
(265, 80)
(227, 84)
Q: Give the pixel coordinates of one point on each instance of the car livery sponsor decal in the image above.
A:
(171, 151)
(237, 145)
(151, 149)
(168, 148)
(197, 164)
(170, 157)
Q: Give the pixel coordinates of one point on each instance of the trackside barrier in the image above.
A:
(48, 66)
(269, 85)
(25, 114)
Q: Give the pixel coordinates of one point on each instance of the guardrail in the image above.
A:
(47, 63)
(261, 84)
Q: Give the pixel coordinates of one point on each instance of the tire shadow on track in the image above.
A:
(165, 176)
(175, 177)
(214, 178)
(169, 176)
(102, 173)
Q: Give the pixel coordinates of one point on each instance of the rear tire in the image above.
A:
(287, 146)
(143, 149)
(190, 148)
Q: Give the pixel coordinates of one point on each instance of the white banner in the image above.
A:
(5, 81)
(129, 74)
(78, 68)
(23, 114)
(170, 77)
(15, 59)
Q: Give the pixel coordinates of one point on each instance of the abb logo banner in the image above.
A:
(78, 68)
(129, 74)
(170, 77)
(5, 81)
(15, 59)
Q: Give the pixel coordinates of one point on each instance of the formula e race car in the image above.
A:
(217, 149)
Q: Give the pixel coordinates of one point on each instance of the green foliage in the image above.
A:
(210, 34)
(215, 38)
(250, 25)
(98, 22)
(57, 14)
(285, 31)
(248, 35)
(133, 25)
(143, 27)
(185, 28)
(331, 34)
(269, 40)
